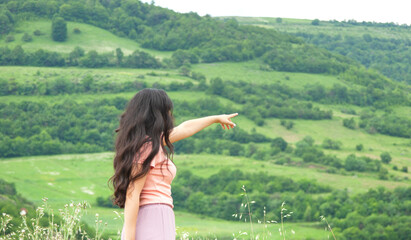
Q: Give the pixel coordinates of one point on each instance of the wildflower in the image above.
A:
(96, 214)
(23, 212)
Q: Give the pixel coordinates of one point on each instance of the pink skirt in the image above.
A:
(155, 222)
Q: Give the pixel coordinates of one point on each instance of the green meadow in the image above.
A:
(78, 177)
(291, 25)
(250, 72)
(66, 178)
(90, 38)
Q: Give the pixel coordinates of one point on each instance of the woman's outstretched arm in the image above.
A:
(190, 127)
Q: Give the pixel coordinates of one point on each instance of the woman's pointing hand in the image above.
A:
(225, 120)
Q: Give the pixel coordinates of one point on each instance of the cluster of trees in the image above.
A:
(280, 101)
(267, 100)
(309, 152)
(231, 182)
(224, 188)
(88, 133)
(236, 143)
(387, 124)
(77, 57)
(369, 24)
(305, 58)
(390, 56)
(37, 127)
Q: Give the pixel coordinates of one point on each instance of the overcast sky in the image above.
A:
(397, 11)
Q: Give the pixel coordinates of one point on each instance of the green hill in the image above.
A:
(382, 46)
(314, 124)
(90, 38)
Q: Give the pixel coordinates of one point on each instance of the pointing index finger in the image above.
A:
(233, 115)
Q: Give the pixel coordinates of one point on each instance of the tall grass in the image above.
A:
(68, 225)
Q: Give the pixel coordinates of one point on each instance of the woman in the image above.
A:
(143, 170)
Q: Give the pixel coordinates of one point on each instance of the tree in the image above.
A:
(18, 57)
(352, 163)
(119, 56)
(217, 86)
(75, 55)
(331, 144)
(349, 123)
(132, 34)
(280, 143)
(235, 149)
(27, 38)
(59, 29)
(359, 147)
(6, 22)
(315, 22)
(385, 157)
(383, 174)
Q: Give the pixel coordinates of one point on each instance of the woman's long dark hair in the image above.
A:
(147, 118)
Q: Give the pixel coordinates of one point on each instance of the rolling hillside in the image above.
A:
(56, 123)
(382, 46)
(90, 38)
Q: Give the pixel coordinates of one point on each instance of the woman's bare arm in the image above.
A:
(190, 127)
(131, 205)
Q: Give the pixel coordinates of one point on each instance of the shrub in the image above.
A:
(315, 22)
(359, 147)
(59, 29)
(331, 144)
(349, 123)
(76, 31)
(9, 38)
(27, 38)
(383, 174)
(38, 33)
(385, 157)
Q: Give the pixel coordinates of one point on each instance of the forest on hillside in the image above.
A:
(197, 39)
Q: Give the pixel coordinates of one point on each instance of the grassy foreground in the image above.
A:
(65, 178)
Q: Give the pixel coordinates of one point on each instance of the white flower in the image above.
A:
(23, 212)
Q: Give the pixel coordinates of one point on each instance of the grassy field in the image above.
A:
(65, 178)
(291, 25)
(250, 72)
(90, 38)
(38, 74)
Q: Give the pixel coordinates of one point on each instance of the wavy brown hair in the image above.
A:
(147, 118)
